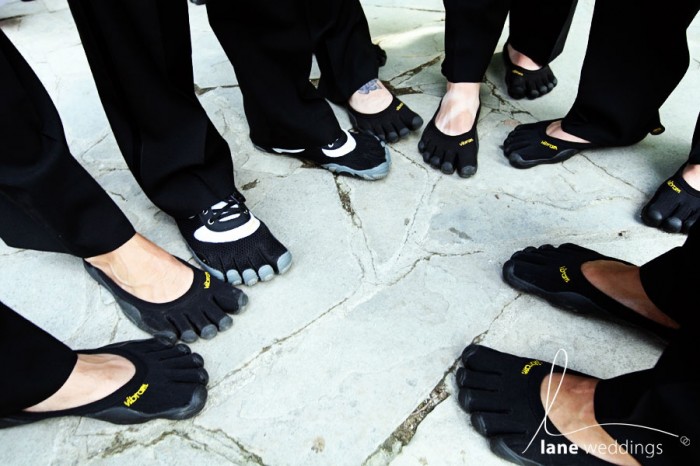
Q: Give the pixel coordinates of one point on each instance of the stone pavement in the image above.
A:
(348, 359)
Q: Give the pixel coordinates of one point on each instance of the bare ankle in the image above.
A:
(691, 174)
(622, 283)
(458, 109)
(143, 269)
(572, 412)
(556, 131)
(372, 97)
(94, 377)
(521, 60)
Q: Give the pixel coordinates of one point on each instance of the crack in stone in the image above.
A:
(510, 109)
(95, 144)
(408, 74)
(12, 252)
(557, 206)
(249, 455)
(408, 8)
(117, 195)
(280, 341)
(120, 445)
(403, 434)
(428, 258)
(200, 91)
(346, 202)
(482, 336)
(613, 176)
(249, 186)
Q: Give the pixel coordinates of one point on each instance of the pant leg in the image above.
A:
(637, 54)
(36, 365)
(670, 279)
(539, 28)
(472, 29)
(666, 397)
(269, 44)
(47, 200)
(343, 47)
(140, 56)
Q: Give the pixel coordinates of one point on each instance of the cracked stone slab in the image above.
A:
(332, 359)
(371, 364)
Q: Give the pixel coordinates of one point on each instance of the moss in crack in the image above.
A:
(403, 435)
(249, 186)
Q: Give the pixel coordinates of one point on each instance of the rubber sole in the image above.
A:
(372, 174)
(502, 450)
(122, 415)
(517, 161)
(119, 415)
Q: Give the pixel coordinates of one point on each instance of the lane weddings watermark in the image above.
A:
(649, 450)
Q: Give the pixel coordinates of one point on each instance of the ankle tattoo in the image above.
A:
(373, 85)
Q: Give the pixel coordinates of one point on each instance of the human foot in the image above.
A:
(504, 395)
(542, 142)
(134, 274)
(524, 77)
(357, 154)
(450, 141)
(560, 276)
(374, 110)
(126, 383)
(233, 245)
(675, 207)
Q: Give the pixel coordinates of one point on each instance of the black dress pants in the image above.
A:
(538, 28)
(140, 56)
(666, 397)
(47, 200)
(637, 54)
(270, 44)
(35, 366)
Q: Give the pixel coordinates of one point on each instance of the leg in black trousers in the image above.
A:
(666, 397)
(39, 365)
(140, 56)
(349, 71)
(49, 202)
(538, 31)
(270, 45)
(619, 95)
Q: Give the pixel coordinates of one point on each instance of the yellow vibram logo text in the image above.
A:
(130, 400)
(400, 106)
(673, 186)
(467, 141)
(518, 73)
(528, 367)
(550, 145)
(207, 280)
(564, 275)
